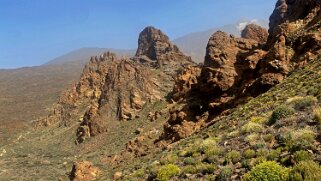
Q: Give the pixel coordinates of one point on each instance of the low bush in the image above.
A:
(305, 170)
(225, 174)
(167, 171)
(280, 113)
(317, 114)
(302, 156)
(267, 171)
(233, 156)
(301, 139)
(274, 154)
(189, 161)
(206, 168)
(253, 139)
(252, 127)
(300, 103)
(213, 153)
(259, 120)
(171, 158)
(249, 154)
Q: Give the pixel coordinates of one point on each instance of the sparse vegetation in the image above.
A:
(167, 171)
(317, 114)
(267, 171)
(301, 103)
(302, 156)
(225, 174)
(249, 154)
(233, 156)
(300, 139)
(305, 170)
(252, 127)
(281, 112)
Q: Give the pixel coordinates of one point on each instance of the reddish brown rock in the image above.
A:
(184, 82)
(255, 32)
(155, 48)
(289, 11)
(220, 72)
(236, 68)
(84, 171)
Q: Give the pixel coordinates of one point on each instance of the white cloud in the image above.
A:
(243, 24)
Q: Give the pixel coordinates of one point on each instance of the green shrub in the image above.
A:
(262, 152)
(213, 153)
(267, 171)
(225, 174)
(233, 156)
(280, 113)
(191, 169)
(167, 171)
(260, 145)
(139, 173)
(300, 103)
(274, 154)
(252, 139)
(252, 127)
(259, 120)
(305, 170)
(301, 139)
(171, 158)
(211, 178)
(317, 114)
(189, 161)
(206, 168)
(233, 134)
(268, 137)
(255, 161)
(302, 156)
(207, 144)
(249, 154)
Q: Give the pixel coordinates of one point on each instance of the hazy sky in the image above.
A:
(33, 32)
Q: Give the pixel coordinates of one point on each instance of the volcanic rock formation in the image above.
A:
(255, 32)
(237, 68)
(112, 88)
(155, 48)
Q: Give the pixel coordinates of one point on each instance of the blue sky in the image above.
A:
(33, 32)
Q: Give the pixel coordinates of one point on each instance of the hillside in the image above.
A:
(281, 125)
(251, 111)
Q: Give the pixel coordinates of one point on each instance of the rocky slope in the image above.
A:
(116, 89)
(251, 109)
(236, 68)
(235, 71)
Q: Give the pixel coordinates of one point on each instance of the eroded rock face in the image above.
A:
(289, 11)
(117, 89)
(184, 82)
(237, 68)
(155, 48)
(84, 171)
(255, 32)
(220, 72)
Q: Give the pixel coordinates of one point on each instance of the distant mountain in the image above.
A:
(82, 55)
(194, 44)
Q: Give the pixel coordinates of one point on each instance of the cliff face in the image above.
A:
(155, 48)
(237, 68)
(255, 32)
(116, 89)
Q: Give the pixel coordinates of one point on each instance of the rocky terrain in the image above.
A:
(250, 112)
